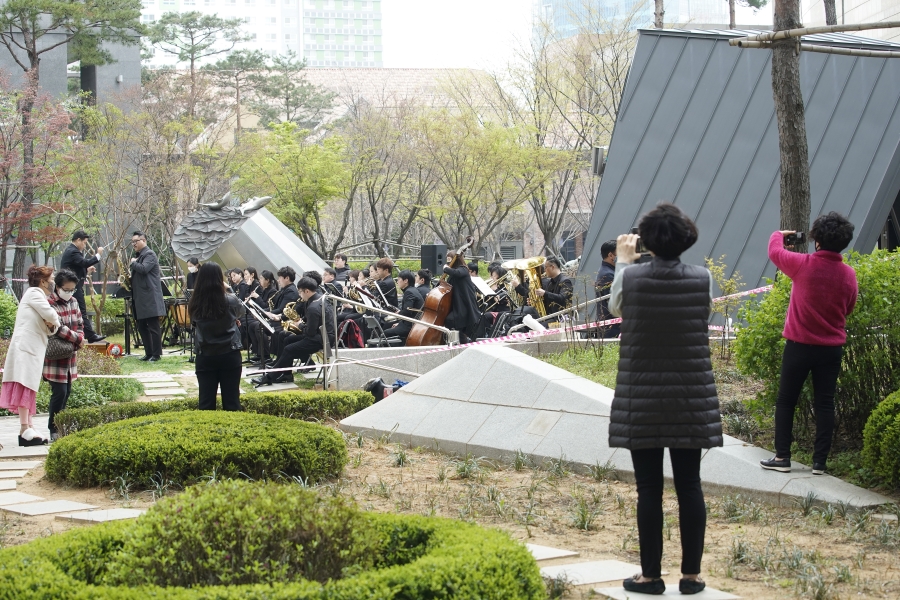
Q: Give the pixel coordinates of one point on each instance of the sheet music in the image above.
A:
(481, 285)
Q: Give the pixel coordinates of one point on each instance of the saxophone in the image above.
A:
(124, 274)
(291, 325)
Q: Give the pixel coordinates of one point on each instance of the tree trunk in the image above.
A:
(658, 14)
(830, 13)
(731, 23)
(795, 203)
(23, 237)
(237, 109)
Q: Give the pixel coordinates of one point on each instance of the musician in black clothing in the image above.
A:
(260, 297)
(464, 314)
(251, 278)
(556, 289)
(410, 306)
(383, 270)
(500, 302)
(236, 283)
(286, 294)
(311, 341)
(341, 270)
(283, 336)
(74, 260)
(330, 284)
(423, 282)
(191, 279)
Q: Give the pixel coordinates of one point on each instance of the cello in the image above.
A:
(437, 305)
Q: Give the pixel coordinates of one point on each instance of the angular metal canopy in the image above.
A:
(697, 127)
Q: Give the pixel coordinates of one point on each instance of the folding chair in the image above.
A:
(378, 339)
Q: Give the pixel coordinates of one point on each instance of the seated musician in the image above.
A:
(341, 270)
(330, 284)
(251, 278)
(464, 314)
(500, 303)
(556, 289)
(310, 341)
(260, 298)
(473, 268)
(286, 294)
(383, 277)
(236, 283)
(286, 335)
(423, 282)
(410, 306)
(193, 265)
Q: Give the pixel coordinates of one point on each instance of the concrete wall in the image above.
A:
(52, 67)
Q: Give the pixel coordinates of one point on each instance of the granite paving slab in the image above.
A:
(451, 424)
(170, 391)
(506, 431)
(13, 474)
(160, 384)
(151, 374)
(458, 378)
(276, 387)
(671, 591)
(24, 451)
(34, 509)
(547, 553)
(404, 413)
(19, 465)
(17, 498)
(7, 484)
(166, 379)
(576, 396)
(102, 516)
(588, 573)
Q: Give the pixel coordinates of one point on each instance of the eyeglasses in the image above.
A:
(133, 242)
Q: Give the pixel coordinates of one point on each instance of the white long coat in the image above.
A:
(25, 358)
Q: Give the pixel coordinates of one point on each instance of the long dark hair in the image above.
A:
(208, 300)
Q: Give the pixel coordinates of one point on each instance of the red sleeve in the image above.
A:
(787, 262)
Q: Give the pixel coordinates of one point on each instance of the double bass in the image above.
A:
(437, 305)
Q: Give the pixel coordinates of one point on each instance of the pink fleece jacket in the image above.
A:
(823, 294)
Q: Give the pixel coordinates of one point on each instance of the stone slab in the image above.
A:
(17, 498)
(151, 374)
(458, 378)
(671, 591)
(404, 414)
(580, 438)
(19, 465)
(506, 431)
(275, 387)
(156, 379)
(576, 396)
(7, 484)
(13, 474)
(47, 508)
(547, 553)
(24, 451)
(159, 384)
(451, 424)
(102, 516)
(587, 573)
(171, 391)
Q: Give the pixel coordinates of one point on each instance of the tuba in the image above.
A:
(124, 274)
(530, 270)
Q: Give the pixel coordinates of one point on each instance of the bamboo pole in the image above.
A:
(794, 33)
(828, 50)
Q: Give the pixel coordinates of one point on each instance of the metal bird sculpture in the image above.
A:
(219, 204)
(254, 203)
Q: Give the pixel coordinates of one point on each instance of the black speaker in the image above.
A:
(433, 258)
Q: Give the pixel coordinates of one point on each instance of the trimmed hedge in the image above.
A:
(881, 440)
(285, 542)
(184, 447)
(302, 405)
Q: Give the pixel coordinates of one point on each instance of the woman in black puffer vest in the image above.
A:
(665, 392)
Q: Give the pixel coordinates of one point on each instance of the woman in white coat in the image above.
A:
(36, 321)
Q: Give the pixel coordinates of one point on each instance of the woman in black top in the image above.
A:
(217, 339)
(193, 266)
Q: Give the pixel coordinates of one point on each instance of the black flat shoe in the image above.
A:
(35, 441)
(145, 358)
(261, 381)
(153, 359)
(657, 587)
(818, 468)
(691, 586)
(782, 465)
(96, 338)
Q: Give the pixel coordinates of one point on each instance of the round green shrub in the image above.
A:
(240, 540)
(183, 447)
(7, 312)
(881, 440)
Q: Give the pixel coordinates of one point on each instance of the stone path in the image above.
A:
(603, 571)
(159, 385)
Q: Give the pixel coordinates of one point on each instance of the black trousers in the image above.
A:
(797, 362)
(82, 306)
(220, 371)
(59, 395)
(301, 349)
(259, 339)
(648, 473)
(151, 336)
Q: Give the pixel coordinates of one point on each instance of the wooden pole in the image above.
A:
(772, 36)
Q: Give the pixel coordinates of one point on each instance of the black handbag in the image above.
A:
(59, 349)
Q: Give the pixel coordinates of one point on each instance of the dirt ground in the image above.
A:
(752, 550)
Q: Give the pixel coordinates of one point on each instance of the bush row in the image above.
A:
(302, 405)
(184, 447)
(238, 540)
(881, 440)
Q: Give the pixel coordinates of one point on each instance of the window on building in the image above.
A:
(168, 2)
(273, 20)
(190, 2)
(378, 57)
(567, 250)
(148, 18)
(287, 37)
(250, 1)
(272, 37)
(320, 39)
(148, 3)
(360, 40)
(287, 20)
(360, 56)
(252, 37)
(339, 55)
(320, 55)
(249, 20)
(360, 23)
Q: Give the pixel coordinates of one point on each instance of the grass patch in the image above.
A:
(599, 364)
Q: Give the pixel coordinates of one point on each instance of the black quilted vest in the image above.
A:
(665, 392)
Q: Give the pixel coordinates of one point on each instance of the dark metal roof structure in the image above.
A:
(697, 127)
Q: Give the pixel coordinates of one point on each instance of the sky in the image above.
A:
(477, 34)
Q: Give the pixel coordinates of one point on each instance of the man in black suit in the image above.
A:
(146, 292)
(423, 282)
(411, 306)
(556, 289)
(74, 260)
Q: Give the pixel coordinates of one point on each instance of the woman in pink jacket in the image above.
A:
(822, 295)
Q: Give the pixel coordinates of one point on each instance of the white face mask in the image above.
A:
(65, 295)
(192, 269)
